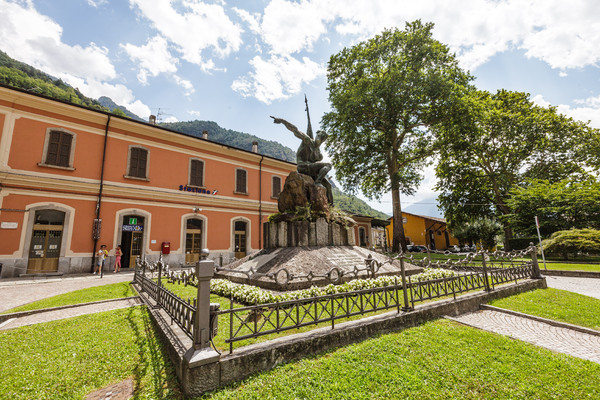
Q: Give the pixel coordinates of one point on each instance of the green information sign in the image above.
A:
(132, 221)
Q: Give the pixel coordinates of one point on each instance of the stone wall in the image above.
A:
(306, 233)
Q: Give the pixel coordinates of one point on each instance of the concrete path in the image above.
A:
(17, 292)
(586, 286)
(562, 340)
(68, 313)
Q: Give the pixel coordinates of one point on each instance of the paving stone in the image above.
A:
(562, 340)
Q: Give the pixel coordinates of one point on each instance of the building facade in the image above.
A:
(423, 230)
(72, 178)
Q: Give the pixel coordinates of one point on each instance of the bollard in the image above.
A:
(536, 274)
(201, 353)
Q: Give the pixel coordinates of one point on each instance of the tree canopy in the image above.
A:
(386, 94)
(503, 140)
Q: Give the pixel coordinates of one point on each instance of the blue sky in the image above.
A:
(237, 62)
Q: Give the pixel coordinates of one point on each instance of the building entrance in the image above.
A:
(46, 239)
(193, 240)
(132, 239)
(239, 232)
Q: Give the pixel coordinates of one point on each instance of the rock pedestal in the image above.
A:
(300, 190)
(305, 233)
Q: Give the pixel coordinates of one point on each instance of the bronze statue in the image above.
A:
(309, 157)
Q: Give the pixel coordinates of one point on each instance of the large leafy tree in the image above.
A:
(386, 94)
(566, 204)
(503, 140)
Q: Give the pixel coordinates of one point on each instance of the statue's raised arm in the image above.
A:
(291, 127)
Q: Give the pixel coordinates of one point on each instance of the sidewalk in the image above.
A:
(16, 292)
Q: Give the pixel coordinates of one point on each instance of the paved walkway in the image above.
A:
(541, 334)
(68, 313)
(586, 286)
(19, 291)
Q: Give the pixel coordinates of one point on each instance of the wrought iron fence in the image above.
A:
(266, 319)
(182, 312)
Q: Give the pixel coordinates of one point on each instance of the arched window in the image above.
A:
(240, 235)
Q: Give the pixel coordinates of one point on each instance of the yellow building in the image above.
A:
(423, 230)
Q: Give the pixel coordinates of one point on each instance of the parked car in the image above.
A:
(454, 249)
(419, 249)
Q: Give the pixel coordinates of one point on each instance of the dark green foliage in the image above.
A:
(232, 138)
(354, 205)
(522, 243)
(573, 241)
(478, 230)
(570, 203)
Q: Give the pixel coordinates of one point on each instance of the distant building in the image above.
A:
(72, 178)
(423, 230)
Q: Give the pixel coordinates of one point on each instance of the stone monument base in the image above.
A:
(306, 233)
(293, 268)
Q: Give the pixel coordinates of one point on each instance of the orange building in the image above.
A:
(72, 178)
(423, 230)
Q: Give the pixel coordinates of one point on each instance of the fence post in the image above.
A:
(485, 274)
(536, 274)
(201, 353)
(404, 288)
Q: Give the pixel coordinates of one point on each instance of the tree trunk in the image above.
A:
(398, 239)
(507, 237)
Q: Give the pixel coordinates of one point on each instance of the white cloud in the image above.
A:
(195, 113)
(35, 39)
(97, 3)
(277, 78)
(589, 109)
(253, 20)
(184, 83)
(152, 58)
(200, 27)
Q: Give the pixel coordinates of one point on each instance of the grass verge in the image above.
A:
(97, 293)
(437, 360)
(555, 304)
(67, 359)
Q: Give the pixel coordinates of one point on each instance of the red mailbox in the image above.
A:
(165, 247)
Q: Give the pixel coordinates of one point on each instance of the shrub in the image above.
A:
(573, 241)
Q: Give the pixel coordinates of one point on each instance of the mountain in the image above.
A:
(112, 106)
(229, 137)
(23, 76)
(354, 205)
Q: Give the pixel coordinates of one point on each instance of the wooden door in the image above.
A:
(136, 247)
(193, 245)
(44, 250)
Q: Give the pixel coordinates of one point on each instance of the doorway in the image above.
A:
(239, 238)
(46, 238)
(193, 240)
(132, 239)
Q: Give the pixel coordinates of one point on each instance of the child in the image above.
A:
(118, 254)
(102, 254)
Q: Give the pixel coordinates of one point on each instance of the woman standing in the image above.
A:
(118, 254)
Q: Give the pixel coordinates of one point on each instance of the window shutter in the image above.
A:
(276, 186)
(59, 149)
(196, 173)
(53, 146)
(137, 162)
(240, 181)
(64, 153)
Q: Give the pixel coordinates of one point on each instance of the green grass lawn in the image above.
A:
(70, 358)
(555, 304)
(97, 293)
(564, 266)
(437, 360)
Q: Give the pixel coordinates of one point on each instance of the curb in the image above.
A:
(552, 322)
(571, 274)
(4, 317)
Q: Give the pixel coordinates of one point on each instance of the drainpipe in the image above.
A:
(260, 202)
(99, 201)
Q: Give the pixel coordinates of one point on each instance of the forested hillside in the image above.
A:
(232, 138)
(354, 205)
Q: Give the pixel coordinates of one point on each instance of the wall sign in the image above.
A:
(133, 228)
(185, 188)
(9, 225)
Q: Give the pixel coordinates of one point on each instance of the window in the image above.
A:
(138, 162)
(196, 173)
(276, 187)
(240, 181)
(58, 151)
